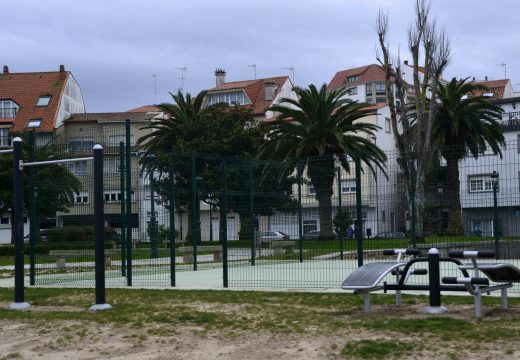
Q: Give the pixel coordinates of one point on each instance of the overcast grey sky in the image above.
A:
(113, 46)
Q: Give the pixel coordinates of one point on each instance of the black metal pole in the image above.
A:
(223, 222)
(194, 208)
(359, 214)
(495, 219)
(123, 213)
(171, 181)
(299, 169)
(128, 169)
(18, 222)
(434, 277)
(341, 218)
(99, 216)
(34, 223)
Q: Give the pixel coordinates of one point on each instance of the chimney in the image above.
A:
(486, 78)
(473, 79)
(406, 62)
(269, 89)
(220, 76)
(62, 74)
(6, 69)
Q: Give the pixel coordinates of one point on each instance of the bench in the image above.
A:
(187, 252)
(282, 246)
(61, 255)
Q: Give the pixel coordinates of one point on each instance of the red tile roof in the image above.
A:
(254, 90)
(145, 109)
(497, 87)
(25, 89)
(110, 117)
(366, 74)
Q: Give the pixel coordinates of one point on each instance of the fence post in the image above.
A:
(34, 223)
(300, 221)
(172, 227)
(99, 216)
(152, 226)
(494, 181)
(359, 214)
(194, 197)
(128, 168)
(123, 215)
(19, 300)
(251, 213)
(223, 222)
(340, 217)
(413, 215)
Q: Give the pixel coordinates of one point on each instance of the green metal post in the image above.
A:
(153, 221)
(494, 179)
(414, 215)
(123, 213)
(300, 221)
(251, 213)
(172, 227)
(341, 218)
(194, 207)
(359, 214)
(32, 213)
(223, 222)
(128, 189)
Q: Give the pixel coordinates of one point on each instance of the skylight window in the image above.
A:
(488, 94)
(34, 123)
(43, 101)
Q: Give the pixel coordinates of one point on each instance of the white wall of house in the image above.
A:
(71, 101)
(285, 92)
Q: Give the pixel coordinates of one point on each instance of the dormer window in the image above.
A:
(231, 97)
(43, 101)
(8, 109)
(352, 78)
(35, 123)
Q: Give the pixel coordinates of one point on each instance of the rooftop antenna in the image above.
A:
(254, 67)
(182, 70)
(505, 69)
(155, 88)
(291, 69)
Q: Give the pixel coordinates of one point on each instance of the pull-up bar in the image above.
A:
(49, 162)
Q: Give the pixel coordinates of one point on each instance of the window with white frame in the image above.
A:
(81, 197)
(380, 88)
(111, 165)
(114, 196)
(353, 78)
(4, 137)
(352, 90)
(8, 109)
(34, 123)
(348, 186)
(312, 190)
(388, 128)
(368, 88)
(231, 97)
(43, 101)
(480, 183)
(81, 144)
(114, 140)
(77, 167)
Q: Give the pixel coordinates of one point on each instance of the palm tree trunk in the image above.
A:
(325, 211)
(452, 192)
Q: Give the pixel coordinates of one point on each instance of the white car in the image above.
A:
(273, 235)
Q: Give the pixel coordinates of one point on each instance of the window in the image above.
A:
(388, 128)
(518, 143)
(348, 186)
(380, 99)
(480, 183)
(111, 165)
(114, 140)
(81, 197)
(77, 167)
(112, 196)
(233, 97)
(34, 123)
(383, 216)
(352, 78)
(312, 190)
(43, 101)
(352, 90)
(368, 88)
(380, 88)
(8, 109)
(79, 144)
(4, 220)
(4, 137)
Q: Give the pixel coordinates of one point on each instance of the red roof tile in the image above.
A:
(254, 90)
(497, 87)
(25, 89)
(110, 117)
(145, 109)
(366, 74)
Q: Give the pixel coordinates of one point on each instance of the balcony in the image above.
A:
(510, 119)
(8, 113)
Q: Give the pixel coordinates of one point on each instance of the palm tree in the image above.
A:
(464, 121)
(320, 129)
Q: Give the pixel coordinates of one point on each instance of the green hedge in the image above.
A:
(43, 248)
(75, 234)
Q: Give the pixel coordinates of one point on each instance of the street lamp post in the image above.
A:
(494, 182)
(440, 190)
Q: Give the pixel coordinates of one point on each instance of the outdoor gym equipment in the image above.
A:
(366, 279)
(18, 201)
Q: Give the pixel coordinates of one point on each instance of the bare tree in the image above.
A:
(413, 137)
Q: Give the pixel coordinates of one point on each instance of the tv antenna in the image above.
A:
(182, 70)
(254, 67)
(291, 69)
(505, 69)
(155, 88)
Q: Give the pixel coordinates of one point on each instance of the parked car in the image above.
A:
(273, 235)
(315, 234)
(390, 235)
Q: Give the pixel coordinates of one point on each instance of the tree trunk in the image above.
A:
(452, 194)
(325, 211)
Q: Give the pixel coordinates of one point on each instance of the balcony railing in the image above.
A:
(510, 118)
(8, 113)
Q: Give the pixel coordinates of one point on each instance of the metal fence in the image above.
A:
(250, 223)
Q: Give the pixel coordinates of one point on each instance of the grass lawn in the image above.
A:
(172, 324)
